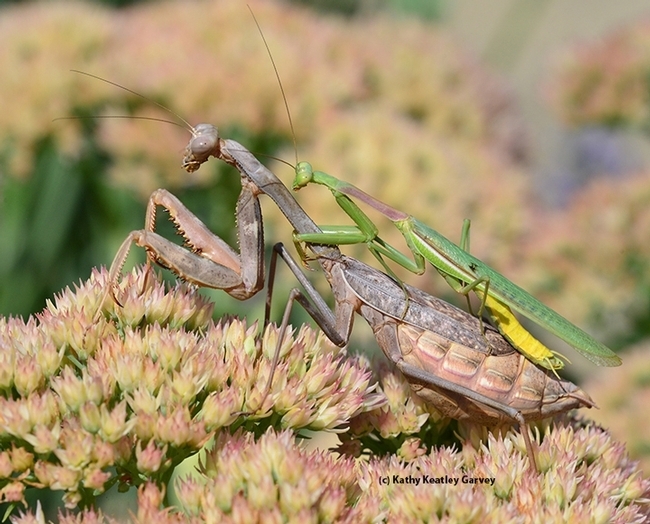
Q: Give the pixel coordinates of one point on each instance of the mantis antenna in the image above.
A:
(164, 108)
(277, 75)
(186, 125)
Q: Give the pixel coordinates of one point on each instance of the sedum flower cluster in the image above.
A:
(89, 400)
(405, 425)
(452, 485)
(123, 397)
(276, 480)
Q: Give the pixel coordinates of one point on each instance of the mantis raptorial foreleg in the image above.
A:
(218, 265)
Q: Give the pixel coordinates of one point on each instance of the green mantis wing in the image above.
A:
(447, 257)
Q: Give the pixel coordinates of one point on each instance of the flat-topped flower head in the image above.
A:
(141, 387)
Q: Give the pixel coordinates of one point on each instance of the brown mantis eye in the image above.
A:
(204, 141)
(200, 146)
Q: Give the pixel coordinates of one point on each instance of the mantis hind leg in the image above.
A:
(465, 290)
(417, 374)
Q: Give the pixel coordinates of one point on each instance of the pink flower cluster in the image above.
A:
(141, 387)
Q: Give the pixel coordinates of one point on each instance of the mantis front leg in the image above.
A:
(207, 260)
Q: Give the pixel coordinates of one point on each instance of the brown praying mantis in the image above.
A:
(464, 370)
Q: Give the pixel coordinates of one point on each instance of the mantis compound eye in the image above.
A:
(205, 139)
(204, 142)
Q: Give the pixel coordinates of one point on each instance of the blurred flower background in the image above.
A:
(531, 120)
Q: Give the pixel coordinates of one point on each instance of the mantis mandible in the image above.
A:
(461, 270)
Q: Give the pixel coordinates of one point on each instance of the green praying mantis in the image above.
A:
(460, 269)
(463, 272)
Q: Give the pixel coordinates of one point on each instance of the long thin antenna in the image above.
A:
(189, 126)
(130, 117)
(275, 158)
(277, 75)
